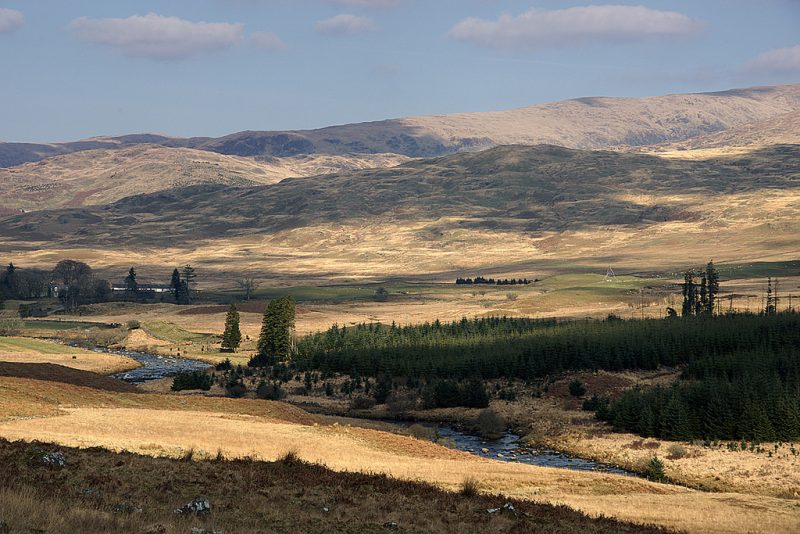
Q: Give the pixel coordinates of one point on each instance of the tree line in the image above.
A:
(499, 347)
(491, 281)
(751, 394)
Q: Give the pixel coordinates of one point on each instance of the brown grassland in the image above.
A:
(172, 425)
(100, 491)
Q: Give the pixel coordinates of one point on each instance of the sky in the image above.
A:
(81, 68)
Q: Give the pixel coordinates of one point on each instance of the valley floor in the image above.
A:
(171, 425)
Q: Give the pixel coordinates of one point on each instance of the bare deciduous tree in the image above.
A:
(249, 286)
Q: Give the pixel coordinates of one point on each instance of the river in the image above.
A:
(154, 367)
(506, 449)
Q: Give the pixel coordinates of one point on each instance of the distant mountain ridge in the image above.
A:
(583, 123)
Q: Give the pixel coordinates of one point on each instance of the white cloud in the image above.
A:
(778, 61)
(538, 28)
(158, 37)
(10, 20)
(345, 24)
(267, 40)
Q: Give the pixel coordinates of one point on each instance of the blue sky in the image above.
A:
(92, 67)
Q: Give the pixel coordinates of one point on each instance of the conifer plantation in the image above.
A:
(741, 377)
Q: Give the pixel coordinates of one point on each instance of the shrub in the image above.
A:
(270, 391)
(470, 487)
(577, 388)
(401, 403)
(362, 403)
(381, 295)
(490, 425)
(133, 324)
(192, 380)
(676, 452)
(235, 389)
(225, 365)
(423, 432)
(655, 470)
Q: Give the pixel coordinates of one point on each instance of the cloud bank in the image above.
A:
(10, 20)
(601, 23)
(778, 61)
(345, 24)
(157, 37)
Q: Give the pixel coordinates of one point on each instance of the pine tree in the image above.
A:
(276, 341)
(689, 299)
(131, 286)
(189, 276)
(232, 337)
(712, 277)
(177, 287)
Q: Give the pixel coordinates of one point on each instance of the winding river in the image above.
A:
(507, 448)
(154, 367)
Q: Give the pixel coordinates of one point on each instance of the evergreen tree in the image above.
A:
(712, 277)
(131, 286)
(689, 299)
(771, 307)
(189, 276)
(177, 287)
(9, 285)
(276, 341)
(232, 337)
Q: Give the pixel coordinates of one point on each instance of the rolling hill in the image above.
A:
(510, 204)
(101, 176)
(585, 123)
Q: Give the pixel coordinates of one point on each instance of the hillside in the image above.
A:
(501, 206)
(585, 123)
(102, 176)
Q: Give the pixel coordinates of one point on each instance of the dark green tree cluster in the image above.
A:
(192, 380)
(23, 284)
(700, 298)
(748, 394)
(500, 347)
(276, 341)
(450, 393)
(232, 336)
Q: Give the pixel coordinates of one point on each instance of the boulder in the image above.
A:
(54, 459)
(198, 506)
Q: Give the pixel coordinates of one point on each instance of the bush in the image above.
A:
(225, 365)
(381, 295)
(655, 470)
(676, 452)
(423, 432)
(270, 391)
(362, 403)
(133, 324)
(577, 388)
(490, 425)
(470, 487)
(235, 389)
(398, 403)
(192, 380)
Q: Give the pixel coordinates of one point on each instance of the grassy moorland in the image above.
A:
(29, 350)
(101, 491)
(159, 425)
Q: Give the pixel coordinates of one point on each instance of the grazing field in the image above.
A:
(172, 425)
(28, 350)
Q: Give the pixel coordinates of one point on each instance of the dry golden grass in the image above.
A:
(107, 175)
(25, 350)
(157, 424)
